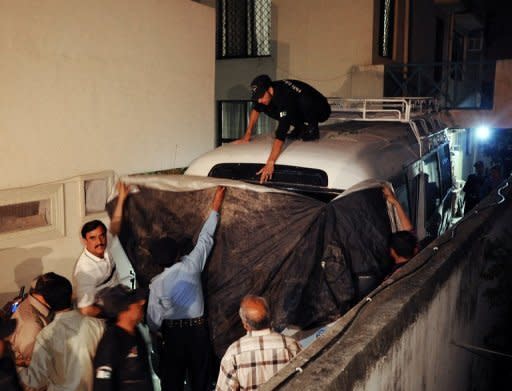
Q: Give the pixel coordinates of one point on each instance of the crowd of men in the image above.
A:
(479, 184)
(89, 335)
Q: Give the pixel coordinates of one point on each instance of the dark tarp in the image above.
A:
(300, 254)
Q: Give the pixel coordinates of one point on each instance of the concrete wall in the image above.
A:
(420, 332)
(93, 85)
(103, 84)
(322, 44)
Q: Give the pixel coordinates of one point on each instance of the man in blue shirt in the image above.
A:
(176, 306)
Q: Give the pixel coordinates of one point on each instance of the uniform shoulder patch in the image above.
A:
(104, 372)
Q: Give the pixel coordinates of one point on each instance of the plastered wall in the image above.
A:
(327, 44)
(103, 84)
(87, 86)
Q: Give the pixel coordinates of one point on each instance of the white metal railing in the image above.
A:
(382, 109)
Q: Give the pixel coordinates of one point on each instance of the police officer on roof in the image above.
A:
(292, 103)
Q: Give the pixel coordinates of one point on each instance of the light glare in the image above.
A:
(483, 132)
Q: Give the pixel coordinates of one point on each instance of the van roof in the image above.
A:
(348, 152)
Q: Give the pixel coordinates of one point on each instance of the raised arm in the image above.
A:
(253, 118)
(390, 197)
(117, 217)
(205, 241)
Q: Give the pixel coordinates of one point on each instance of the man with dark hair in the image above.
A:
(492, 181)
(8, 377)
(32, 315)
(122, 359)
(176, 306)
(474, 187)
(403, 245)
(257, 356)
(95, 269)
(292, 103)
(63, 351)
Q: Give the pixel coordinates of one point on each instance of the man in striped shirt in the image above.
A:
(261, 353)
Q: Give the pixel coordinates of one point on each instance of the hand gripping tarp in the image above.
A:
(302, 255)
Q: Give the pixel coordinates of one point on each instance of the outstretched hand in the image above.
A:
(242, 140)
(266, 172)
(218, 198)
(122, 190)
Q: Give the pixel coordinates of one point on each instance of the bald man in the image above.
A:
(260, 354)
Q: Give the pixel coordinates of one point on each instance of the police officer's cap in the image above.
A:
(259, 85)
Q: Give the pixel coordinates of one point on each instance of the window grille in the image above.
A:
(387, 19)
(31, 214)
(24, 215)
(243, 28)
(233, 117)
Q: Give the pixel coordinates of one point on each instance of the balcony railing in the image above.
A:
(456, 85)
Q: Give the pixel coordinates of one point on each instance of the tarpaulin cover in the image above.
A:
(302, 255)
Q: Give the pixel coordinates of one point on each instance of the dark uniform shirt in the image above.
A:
(121, 362)
(294, 103)
(473, 190)
(8, 376)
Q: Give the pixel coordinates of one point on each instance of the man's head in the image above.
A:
(166, 251)
(254, 313)
(122, 303)
(403, 245)
(261, 88)
(94, 234)
(479, 167)
(43, 286)
(495, 173)
(56, 291)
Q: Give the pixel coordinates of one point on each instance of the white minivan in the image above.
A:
(400, 140)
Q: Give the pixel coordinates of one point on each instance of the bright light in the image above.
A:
(483, 133)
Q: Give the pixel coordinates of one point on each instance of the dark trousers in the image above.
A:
(185, 350)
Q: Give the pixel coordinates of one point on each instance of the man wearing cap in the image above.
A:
(176, 306)
(95, 269)
(32, 315)
(122, 360)
(64, 350)
(473, 188)
(291, 103)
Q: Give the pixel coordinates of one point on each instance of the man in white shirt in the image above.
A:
(64, 350)
(95, 268)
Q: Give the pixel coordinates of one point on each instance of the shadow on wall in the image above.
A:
(362, 81)
(30, 266)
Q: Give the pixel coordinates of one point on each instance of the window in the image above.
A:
(31, 214)
(233, 117)
(446, 168)
(386, 30)
(94, 191)
(432, 188)
(243, 28)
(24, 215)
